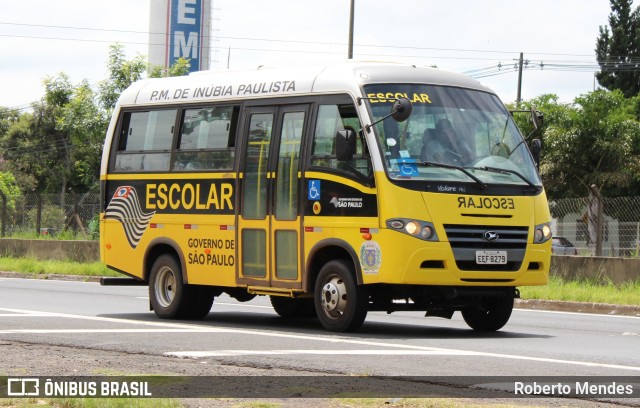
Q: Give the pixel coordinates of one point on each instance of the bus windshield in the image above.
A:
(452, 135)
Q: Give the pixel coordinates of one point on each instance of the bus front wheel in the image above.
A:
(491, 315)
(171, 298)
(341, 304)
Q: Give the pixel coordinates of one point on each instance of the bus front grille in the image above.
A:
(465, 240)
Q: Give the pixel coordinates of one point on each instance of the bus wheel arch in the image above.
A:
(326, 251)
(157, 248)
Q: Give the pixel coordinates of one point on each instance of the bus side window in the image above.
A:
(331, 119)
(207, 138)
(145, 141)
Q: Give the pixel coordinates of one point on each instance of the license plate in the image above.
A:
(491, 257)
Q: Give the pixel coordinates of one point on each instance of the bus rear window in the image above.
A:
(145, 141)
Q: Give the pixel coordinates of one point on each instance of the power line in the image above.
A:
(257, 39)
(594, 66)
(301, 51)
(565, 63)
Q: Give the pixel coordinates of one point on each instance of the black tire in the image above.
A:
(291, 308)
(340, 303)
(201, 300)
(171, 298)
(491, 315)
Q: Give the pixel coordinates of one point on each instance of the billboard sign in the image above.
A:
(185, 33)
(179, 28)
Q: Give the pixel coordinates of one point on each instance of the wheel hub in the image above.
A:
(334, 297)
(165, 287)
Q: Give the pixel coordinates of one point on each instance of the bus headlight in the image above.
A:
(542, 233)
(420, 229)
(412, 227)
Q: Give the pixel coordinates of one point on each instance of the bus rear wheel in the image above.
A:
(341, 304)
(491, 315)
(171, 298)
(292, 308)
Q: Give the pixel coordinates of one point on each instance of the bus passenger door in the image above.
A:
(269, 220)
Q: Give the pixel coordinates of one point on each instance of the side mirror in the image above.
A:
(536, 117)
(345, 144)
(536, 148)
(401, 109)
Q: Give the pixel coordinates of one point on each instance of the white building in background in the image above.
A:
(180, 28)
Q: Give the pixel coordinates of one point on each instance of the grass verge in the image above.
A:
(30, 266)
(585, 290)
(90, 403)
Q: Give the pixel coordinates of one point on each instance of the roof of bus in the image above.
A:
(285, 81)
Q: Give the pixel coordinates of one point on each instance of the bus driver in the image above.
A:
(440, 145)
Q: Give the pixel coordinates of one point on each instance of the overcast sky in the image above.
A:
(41, 38)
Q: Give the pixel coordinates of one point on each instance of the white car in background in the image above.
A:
(562, 246)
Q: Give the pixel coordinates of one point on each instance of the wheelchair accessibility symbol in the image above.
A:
(314, 190)
(407, 169)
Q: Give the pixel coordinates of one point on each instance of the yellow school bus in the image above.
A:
(335, 190)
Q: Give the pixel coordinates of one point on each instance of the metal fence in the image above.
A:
(599, 226)
(595, 225)
(50, 214)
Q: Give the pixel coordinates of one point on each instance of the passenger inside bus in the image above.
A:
(442, 145)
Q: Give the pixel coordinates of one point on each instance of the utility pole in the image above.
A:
(350, 52)
(519, 97)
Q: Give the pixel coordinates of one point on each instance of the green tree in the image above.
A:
(554, 115)
(55, 147)
(13, 143)
(58, 146)
(122, 73)
(595, 143)
(7, 118)
(618, 49)
(179, 68)
(85, 123)
(8, 192)
(8, 184)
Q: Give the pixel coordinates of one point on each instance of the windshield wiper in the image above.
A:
(505, 171)
(451, 166)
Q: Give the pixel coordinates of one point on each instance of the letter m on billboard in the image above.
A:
(186, 32)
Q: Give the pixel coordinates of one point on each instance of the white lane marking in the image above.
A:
(111, 320)
(228, 353)
(320, 338)
(577, 313)
(43, 279)
(92, 331)
(24, 315)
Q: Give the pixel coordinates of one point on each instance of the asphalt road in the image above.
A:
(84, 315)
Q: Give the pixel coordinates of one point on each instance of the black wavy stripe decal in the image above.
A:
(125, 207)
